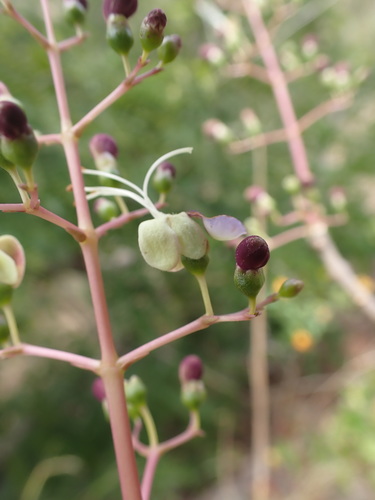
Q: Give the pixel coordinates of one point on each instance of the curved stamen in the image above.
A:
(155, 165)
(108, 191)
(115, 177)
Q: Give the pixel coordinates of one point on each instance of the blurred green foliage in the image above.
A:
(46, 408)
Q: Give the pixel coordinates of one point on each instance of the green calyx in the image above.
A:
(21, 151)
(193, 394)
(249, 282)
(195, 266)
(119, 35)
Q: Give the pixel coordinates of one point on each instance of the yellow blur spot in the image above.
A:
(301, 340)
(367, 282)
(277, 282)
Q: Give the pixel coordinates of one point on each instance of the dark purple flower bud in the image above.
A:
(191, 368)
(124, 7)
(252, 253)
(13, 121)
(103, 143)
(98, 390)
(152, 30)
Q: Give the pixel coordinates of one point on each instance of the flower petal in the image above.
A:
(11, 247)
(224, 227)
(159, 244)
(8, 269)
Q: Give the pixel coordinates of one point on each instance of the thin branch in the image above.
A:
(11, 12)
(201, 323)
(118, 92)
(44, 352)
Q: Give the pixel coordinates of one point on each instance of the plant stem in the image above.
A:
(12, 324)
(111, 374)
(201, 278)
(281, 92)
(150, 426)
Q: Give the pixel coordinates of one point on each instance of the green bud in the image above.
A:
(119, 34)
(164, 177)
(195, 266)
(169, 49)
(249, 282)
(152, 30)
(21, 152)
(6, 293)
(106, 209)
(193, 393)
(290, 288)
(4, 330)
(75, 11)
(135, 391)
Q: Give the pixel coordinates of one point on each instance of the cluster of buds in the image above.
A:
(151, 34)
(193, 391)
(252, 254)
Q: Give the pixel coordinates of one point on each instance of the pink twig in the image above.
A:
(199, 324)
(281, 92)
(11, 11)
(44, 352)
(118, 92)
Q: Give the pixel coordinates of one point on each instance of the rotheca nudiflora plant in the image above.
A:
(168, 241)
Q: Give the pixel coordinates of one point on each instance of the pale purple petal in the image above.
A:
(223, 227)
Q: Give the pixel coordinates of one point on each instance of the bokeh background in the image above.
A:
(323, 403)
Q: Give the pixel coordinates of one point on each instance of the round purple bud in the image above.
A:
(103, 143)
(124, 7)
(252, 253)
(98, 390)
(13, 121)
(191, 368)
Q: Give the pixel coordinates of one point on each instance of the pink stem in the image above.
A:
(199, 324)
(112, 376)
(44, 352)
(149, 473)
(119, 91)
(281, 92)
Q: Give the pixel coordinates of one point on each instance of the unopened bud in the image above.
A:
(164, 177)
(193, 393)
(152, 30)
(124, 7)
(135, 391)
(106, 209)
(119, 35)
(98, 390)
(290, 288)
(169, 49)
(252, 253)
(191, 368)
(75, 11)
(103, 143)
(18, 143)
(217, 130)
